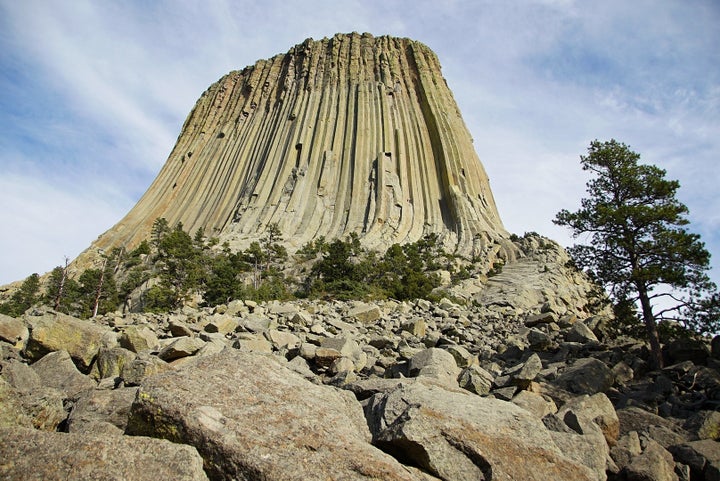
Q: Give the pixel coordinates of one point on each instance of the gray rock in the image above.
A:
(704, 425)
(282, 339)
(139, 338)
(12, 413)
(110, 362)
(31, 454)
(476, 380)
(654, 464)
(535, 404)
(463, 357)
(57, 370)
(434, 363)
(222, 324)
(347, 347)
(662, 430)
(178, 328)
(257, 323)
(693, 350)
(538, 340)
(585, 413)
(627, 447)
(527, 371)
(364, 313)
(252, 418)
(55, 332)
(579, 332)
(13, 331)
(702, 456)
(144, 365)
(460, 436)
(586, 376)
(181, 347)
(101, 407)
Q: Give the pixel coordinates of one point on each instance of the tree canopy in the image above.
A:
(638, 245)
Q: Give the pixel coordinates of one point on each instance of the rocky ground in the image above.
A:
(513, 379)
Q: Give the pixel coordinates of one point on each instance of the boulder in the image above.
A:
(58, 332)
(31, 454)
(12, 413)
(458, 436)
(434, 363)
(57, 370)
(662, 430)
(13, 331)
(476, 380)
(586, 413)
(654, 464)
(282, 339)
(627, 447)
(579, 332)
(704, 425)
(181, 347)
(535, 404)
(139, 338)
(463, 357)
(142, 366)
(364, 313)
(702, 456)
(526, 372)
(257, 323)
(107, 408)
(347, 347)
(586, 376)
(252, 418)
(538, 340)
(222, 324)
(110, 362)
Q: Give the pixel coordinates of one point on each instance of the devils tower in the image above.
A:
(352, 133)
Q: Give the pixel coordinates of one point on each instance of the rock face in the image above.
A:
(27, 454)
(251, 418)
(352, 133)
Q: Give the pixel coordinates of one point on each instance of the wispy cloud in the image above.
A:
(93, 95)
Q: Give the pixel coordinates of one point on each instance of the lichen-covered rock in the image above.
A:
(51, 332)
(252, 418)
(28, 454)
(106, 407)
(13, 331)
(461, 436)
(138, 339)
(57, 370)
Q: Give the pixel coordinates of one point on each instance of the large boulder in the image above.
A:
(27, 454)
(57, 371)
(13, 331)
(457, 436)
(586, 376)
(102, 410)
(55, 332)
(250, 417)
(434, 363)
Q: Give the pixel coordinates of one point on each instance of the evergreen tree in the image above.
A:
(639, 248)
(24, 298)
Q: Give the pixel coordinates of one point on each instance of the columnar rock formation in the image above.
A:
(353, 133)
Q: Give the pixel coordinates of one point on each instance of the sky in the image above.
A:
(93, 95)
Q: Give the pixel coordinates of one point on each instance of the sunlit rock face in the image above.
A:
(352, 133)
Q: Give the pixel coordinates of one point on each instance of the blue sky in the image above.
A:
(93, 95)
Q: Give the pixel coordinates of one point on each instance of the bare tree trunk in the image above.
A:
(98, 293)
(656, 358)
(59, 295)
